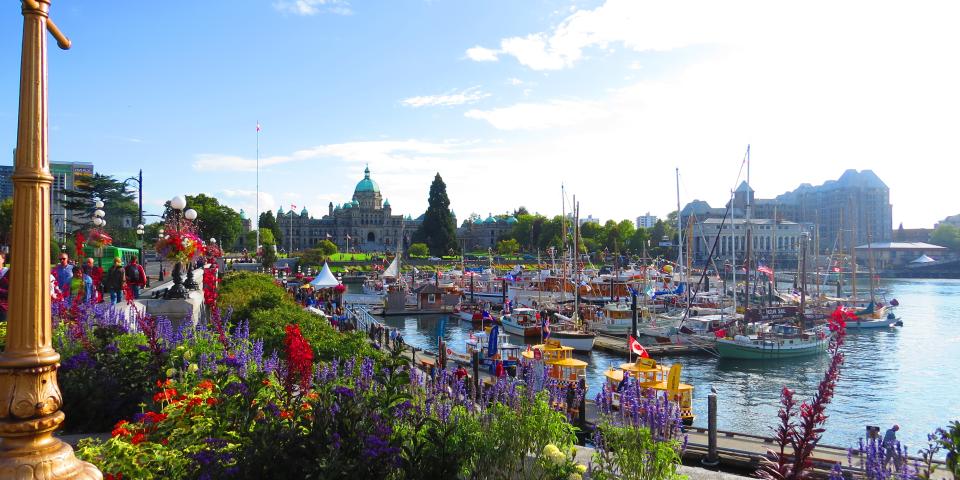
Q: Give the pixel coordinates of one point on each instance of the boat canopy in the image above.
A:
(325, 279)
(923, 259)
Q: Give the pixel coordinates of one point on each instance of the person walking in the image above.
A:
(891, 447)
(136, 277)
(113, 283)
(63, 272)
(81, 286)
(96, 274)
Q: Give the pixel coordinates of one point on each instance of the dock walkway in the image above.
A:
(618, 345)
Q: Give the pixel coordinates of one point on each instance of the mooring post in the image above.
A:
(582, 409)
(475, 361)
(712, 459)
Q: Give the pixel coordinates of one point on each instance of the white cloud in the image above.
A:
(313, 7)
(247, 201)
(362, 151)
(515, 82)
(481, 54)
(539, 116)
(467, 96)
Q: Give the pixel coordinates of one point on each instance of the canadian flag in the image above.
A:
(638, 349)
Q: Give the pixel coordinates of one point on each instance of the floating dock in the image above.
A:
(618, 345)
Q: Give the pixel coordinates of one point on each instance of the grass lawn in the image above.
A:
(350, 257)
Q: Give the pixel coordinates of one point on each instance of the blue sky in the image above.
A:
(506, 99)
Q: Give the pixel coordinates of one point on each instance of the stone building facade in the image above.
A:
(365, 223)
(477, 234)
(858, 203)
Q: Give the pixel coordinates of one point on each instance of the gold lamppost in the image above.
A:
(30, 398)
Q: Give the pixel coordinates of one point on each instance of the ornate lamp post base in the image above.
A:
(191, 283)
(177, 291)
(30, 451)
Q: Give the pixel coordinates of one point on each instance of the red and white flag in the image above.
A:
(258, 126)
(766, 271)
(293, 207)
(638, 349)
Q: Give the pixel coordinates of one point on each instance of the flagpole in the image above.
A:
(256, 248)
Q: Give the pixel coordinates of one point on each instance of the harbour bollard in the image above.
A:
(582, 409)
(712, 459)
(475, 361)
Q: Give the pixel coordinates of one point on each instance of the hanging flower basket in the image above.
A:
(99, 239)
(180, 247)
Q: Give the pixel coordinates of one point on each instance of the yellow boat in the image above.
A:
(559, 361)
(659, 378)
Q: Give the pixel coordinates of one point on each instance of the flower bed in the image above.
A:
(219, 401)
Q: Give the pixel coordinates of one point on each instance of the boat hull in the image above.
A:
(580, 342)
(871, 323)
(768, 351)
(519, 330)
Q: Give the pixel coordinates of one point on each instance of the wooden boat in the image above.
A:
(558, 360)
(775, 342)
(569, 334)
(521, 322)
(657, 377)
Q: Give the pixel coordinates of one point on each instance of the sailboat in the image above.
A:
(571, 332)
(777, 341)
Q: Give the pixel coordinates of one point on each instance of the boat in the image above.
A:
(570, 334)
(657, 377)
(616, 319)
(872, 317)
(558, 360)
(775, 342)
(494, 346)
(522, 322)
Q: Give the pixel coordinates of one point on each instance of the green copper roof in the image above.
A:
(303, 213)
(243, 216)
(511, 220)
(490, 219)
(386, 203)
(367, 185)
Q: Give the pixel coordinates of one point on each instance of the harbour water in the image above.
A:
(908, 375)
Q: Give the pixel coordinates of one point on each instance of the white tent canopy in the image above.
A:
(325, 279)
(923, 259)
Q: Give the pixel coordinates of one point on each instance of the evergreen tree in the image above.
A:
(438, 229)
(269, 222)
(118, 202)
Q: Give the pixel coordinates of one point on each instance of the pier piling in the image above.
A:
(712, 459)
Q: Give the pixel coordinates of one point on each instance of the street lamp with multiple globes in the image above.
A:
(180, 222)
(190, 283)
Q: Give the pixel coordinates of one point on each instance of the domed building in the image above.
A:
(481, 234)
(364, 223)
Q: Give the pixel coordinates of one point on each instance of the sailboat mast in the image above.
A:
(733, 250)
(576, 255)
(563, 244)
(679, 231)
(746, 301)
(853, 262)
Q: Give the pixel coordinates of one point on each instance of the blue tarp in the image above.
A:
(676, 291)
(492, 345)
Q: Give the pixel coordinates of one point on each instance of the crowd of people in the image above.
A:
(89, 283)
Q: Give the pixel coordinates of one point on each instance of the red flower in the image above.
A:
(165, 441)
(286, 414)
(114, 476)
(211, 401)
(299, 359)
(138, 438)
(206, 385)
